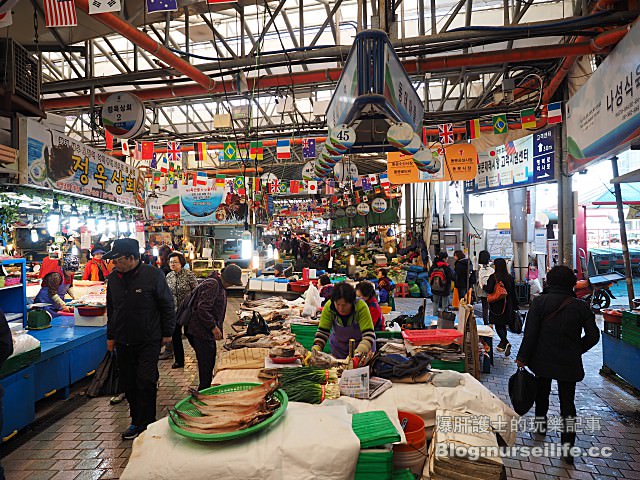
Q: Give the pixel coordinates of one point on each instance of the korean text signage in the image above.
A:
(527, 161)
(603, 117)
(461, 164)
(123, 115)
(59, 162)
(399, 91)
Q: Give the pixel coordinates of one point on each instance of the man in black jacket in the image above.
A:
(6, 349)
(141, 318)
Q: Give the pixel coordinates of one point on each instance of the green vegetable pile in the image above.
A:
(309, 384)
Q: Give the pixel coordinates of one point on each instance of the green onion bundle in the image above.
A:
(310, 392)
(318, 376)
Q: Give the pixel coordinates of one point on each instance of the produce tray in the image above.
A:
(374, 429)
(306, 334)
(440, 336)
(186, 407)
(374, 465)
(458, 366)
(18, 362)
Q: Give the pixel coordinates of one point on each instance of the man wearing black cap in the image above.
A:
(205, 324)
(141, 318)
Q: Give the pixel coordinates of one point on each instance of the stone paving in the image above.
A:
(86, 443)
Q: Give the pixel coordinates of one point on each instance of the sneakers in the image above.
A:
(177, 365)
(166, 354)
(117, 399)
(132, 432)
(501, 346)
(507, 350)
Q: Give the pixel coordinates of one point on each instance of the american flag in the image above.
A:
(174, 152)
(445, 133)
(510, 148)
(60, 13)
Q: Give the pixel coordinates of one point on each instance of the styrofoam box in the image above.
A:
(82, 321)
(281, 285)
(255, 284)
(268, 284)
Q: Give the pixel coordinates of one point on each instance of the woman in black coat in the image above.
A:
(553, 345)
(465, 276)
(501, 312)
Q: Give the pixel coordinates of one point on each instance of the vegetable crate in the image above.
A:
(306, 334)
(631, 328)
(457, 366)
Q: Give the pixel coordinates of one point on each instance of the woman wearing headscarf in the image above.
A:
(96, 269)
(56, 283)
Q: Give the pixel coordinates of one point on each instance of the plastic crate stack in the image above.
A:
(376, 434)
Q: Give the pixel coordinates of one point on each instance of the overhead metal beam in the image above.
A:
(116, 53)
(267, 26)
(453, 15)
(332, 23)
(328, 20)
(216, 33)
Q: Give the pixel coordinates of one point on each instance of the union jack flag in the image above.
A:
(174, 152)
(445, 133)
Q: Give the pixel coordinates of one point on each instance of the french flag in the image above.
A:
(283, 149)
(201, 178)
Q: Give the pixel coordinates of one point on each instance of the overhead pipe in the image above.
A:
(317, 76)
(142, 40)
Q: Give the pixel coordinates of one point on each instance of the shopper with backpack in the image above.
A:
(440, 278)
(484, 272)
(502, 299)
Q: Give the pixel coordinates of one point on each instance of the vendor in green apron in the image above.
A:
(344, 318)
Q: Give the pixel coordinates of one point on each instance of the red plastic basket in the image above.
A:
(612, 315)
(441, 336)
(301, 286)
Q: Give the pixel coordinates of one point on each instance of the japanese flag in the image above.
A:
(125, 148)
(312, 186)
(373, 179)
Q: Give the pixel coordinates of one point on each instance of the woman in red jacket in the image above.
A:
(96, 269)
(367, 292)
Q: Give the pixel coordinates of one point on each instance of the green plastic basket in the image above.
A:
(374, 429)
(458, 366)
(186, 407)
(404, 474)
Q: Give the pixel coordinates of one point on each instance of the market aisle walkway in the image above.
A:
(86, 443)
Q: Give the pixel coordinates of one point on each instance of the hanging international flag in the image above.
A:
(312, 186)
(357, 194)
(230, 151)
(5, 19)
(309, 148)
(238, 183)
(554, 113)
(365, 199)
(500, 124)
(108, 140)
(257, 184)
(174, 152)
(445, 133)
(528, 118)
(156, 178)
(283, 149)
(154, 160)
(201, 178)
(272, 186)
(473, 129)
(376, 189)
(147, 151)
(256, 150)
(164, 164)
(373, 179)
(294, 186)
(282, 187)
(329, 187)
(104, 6)
(124, 146)
(60, 13)
(220, 180)
(214, 2)
(161, 6)
(384, 180)
(366, 184)
(358, 182)
(510, 148)
(201, 151)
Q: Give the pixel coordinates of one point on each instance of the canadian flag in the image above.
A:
(312, 186)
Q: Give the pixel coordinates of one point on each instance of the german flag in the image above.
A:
(473, 129)
(201, 151)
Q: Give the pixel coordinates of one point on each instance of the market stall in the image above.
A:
(271, 344)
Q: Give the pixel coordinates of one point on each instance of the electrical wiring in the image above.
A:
(561, 23)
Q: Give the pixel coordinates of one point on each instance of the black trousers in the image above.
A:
(138, 368)
(567, 395)
(206, 357)
(501, 330)
(178, 347)
(485, 310)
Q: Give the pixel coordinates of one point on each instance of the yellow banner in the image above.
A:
(461, 164)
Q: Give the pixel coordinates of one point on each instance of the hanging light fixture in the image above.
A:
(269, 252)
(276, 254)
(255, 261)
(112, 226)
(352, 260)
(132, 225)
(34, 235)
(102, 222)
(245, 246)
(155, 252)
(91, 220)
(53, 223)
(74, 218)
(74, 250)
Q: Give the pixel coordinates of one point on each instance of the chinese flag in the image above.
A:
(147, 151)
(294, 186)
(108, 140)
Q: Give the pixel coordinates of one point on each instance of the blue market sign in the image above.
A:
(520, 163)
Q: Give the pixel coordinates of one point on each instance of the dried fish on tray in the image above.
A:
(228, 411)
(271, 303)
(261, 341)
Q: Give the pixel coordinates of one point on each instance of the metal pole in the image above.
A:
(421, 27)
(186, 32)
(433, 17)
(623, 234)
(301, 21)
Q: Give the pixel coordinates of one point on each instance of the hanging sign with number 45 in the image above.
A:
(342, 137)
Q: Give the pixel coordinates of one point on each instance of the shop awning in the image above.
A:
(631, 177)
(630, 195)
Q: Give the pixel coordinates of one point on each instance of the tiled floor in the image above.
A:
(86, 443)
